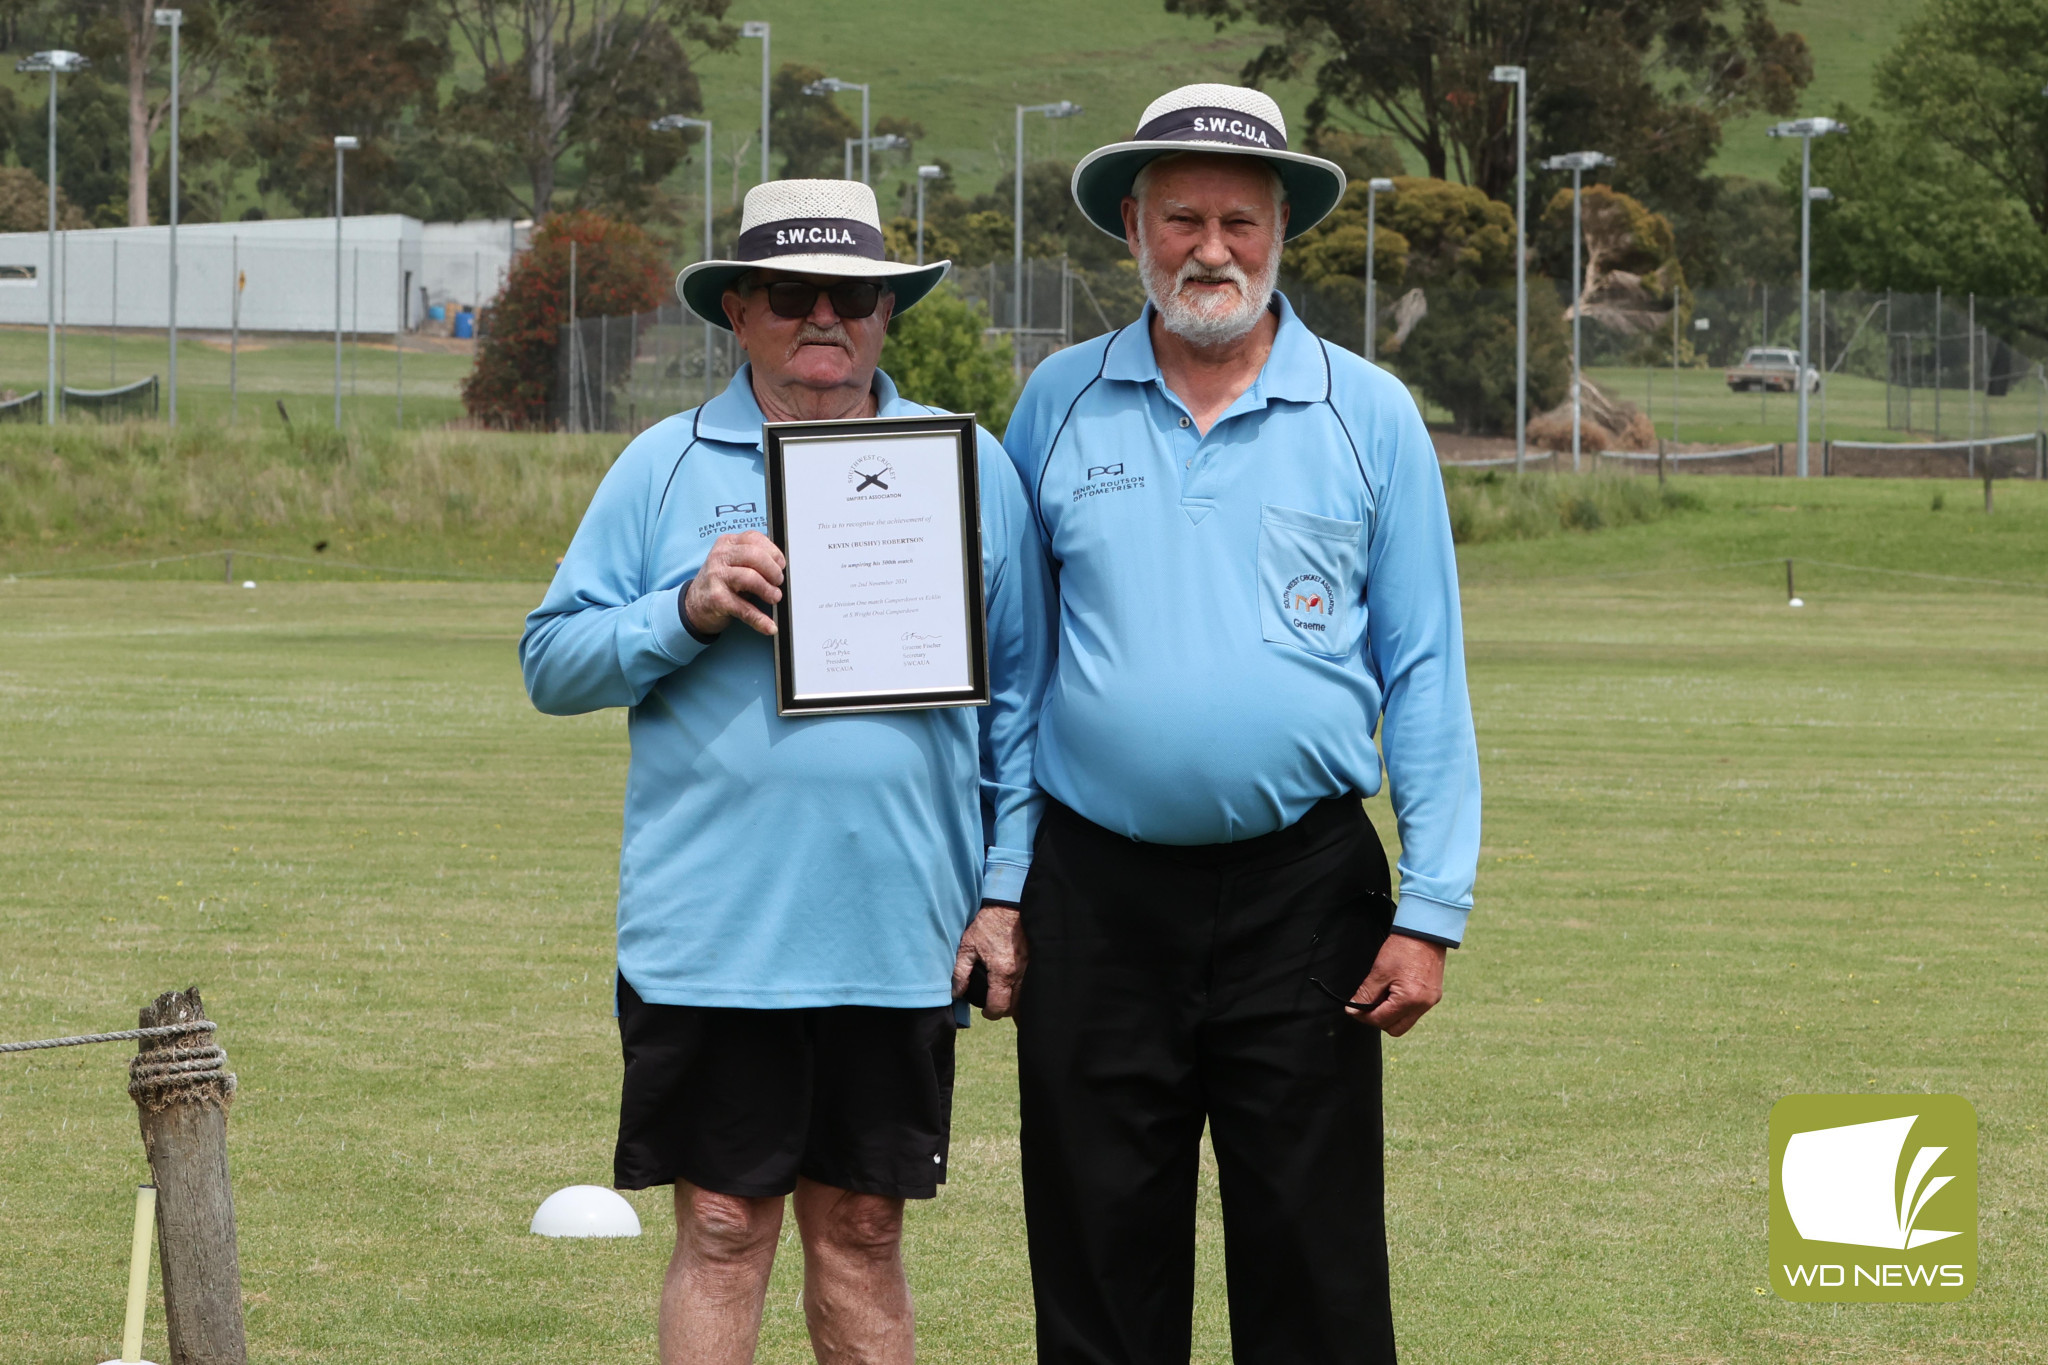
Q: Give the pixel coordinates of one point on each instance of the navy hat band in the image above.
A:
(810, 237)
(1209, 124)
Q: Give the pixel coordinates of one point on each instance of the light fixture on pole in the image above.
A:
(1374, 188)
(925, 174)
(174, 20)
(1519, 78)
(675, 123)
(758, 28)
(830, 84)
(56, 62)
(1057, 109)
(887, 142)
(1578, 163)
(1806, 130)
(343, 144)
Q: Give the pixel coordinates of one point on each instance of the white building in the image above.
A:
(394, 269)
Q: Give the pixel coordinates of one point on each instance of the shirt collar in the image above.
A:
(734, 415)
(1296, 371)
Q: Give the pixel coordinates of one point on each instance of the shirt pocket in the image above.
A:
(1309, 593)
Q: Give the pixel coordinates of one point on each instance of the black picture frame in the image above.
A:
(777, 438)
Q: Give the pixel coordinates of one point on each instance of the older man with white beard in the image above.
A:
(1255, 572)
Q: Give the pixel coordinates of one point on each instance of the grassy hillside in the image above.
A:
(958, 67)
(1847, 37)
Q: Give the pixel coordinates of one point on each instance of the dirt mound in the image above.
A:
(1605, 423)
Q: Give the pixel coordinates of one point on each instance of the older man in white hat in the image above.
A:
(794, 893)
(1255, 573)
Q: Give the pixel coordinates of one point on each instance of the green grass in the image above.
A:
(268, 368)
(935, 62)
(1732, 852)
(1855, 536)
(1852, 409)
(931, 63)
(1847, 38)
(961, 69)
(466, 503)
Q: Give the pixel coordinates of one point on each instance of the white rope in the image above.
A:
(161, 1031)
(157, 1075)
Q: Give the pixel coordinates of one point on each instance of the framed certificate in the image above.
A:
(881, 608)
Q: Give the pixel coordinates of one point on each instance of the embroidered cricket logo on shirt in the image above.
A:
(1309, 602)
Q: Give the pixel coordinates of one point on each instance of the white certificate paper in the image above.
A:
(880, 609)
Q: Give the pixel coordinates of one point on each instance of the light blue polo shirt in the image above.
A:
(776, 863)
(1238, 612)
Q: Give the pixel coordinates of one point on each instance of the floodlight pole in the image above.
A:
(675, 123)
(56, 62)
(1806, 130)
(925, 174)
(1578, 384)
(758, 28)
(174, 20)
(1057, 109)
(1374, 188)
(343, 144)
(1520, 78)
(50, 269)
(1578, 163)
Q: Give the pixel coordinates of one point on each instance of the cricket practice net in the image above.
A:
(113, 405)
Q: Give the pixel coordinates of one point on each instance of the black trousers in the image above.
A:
(1171, 986)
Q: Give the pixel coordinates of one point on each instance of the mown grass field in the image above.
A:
(1852, 409)
(1733, 851)
(300, 371)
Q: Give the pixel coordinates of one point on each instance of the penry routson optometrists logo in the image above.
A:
(1873, 1198)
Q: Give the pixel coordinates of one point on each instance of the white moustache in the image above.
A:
(810, 334)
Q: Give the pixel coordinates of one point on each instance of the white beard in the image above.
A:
(1208, 320)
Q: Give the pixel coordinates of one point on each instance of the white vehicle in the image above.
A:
(1771, 368)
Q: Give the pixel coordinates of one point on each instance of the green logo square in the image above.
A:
(1873, 1198)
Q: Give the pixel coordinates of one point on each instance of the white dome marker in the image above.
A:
(585, 1211)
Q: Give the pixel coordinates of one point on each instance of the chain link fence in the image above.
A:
(1947, 384)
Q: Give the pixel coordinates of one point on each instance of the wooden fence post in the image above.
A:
(181, 1089)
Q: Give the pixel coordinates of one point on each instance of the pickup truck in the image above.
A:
(1770, 368)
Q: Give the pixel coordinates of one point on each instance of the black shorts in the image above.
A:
(743, 1101)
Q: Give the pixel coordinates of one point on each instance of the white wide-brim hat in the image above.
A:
(1227, 119)
(807, 227)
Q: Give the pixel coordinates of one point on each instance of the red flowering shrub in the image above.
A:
(619, 270)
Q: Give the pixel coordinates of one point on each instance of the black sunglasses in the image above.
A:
(851, 299)
(1343, 1001)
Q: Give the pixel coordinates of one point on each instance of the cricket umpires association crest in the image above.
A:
(871, 474)
(1309, 601)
